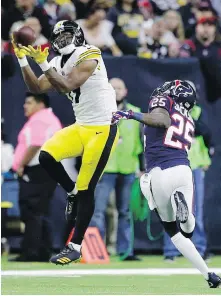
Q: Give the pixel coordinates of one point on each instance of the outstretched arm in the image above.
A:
(158, 117)
(75, 79)
(34, 84)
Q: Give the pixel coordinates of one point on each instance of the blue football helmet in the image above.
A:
(180, 91)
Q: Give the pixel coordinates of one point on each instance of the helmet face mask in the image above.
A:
(63, 40)
(66, 36)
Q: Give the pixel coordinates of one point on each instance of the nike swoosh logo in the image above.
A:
(97, 133)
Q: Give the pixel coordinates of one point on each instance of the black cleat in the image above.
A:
(214, 280)
(182, 212)
(66, 256)
(71, 207)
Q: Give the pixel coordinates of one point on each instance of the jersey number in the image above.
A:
(74, 95)
(159, 101)
(184, 129)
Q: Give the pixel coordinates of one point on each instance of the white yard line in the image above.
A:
(79, 272)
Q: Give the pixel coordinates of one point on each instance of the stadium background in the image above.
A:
(141, 77)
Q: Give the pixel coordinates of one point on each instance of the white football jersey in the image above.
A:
(95, 100)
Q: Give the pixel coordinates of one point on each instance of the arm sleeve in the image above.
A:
(161, 102)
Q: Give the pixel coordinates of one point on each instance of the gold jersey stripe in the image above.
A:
(89, 51)
(94, 52)
(90, 56)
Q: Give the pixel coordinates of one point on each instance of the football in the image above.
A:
(24, 36)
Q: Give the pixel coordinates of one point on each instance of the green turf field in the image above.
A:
(155, 278)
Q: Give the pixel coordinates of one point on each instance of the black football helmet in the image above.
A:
(180, 91)
(66, 36)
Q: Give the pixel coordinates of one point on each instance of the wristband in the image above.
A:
(45, 66)
(137, 116)
(23, 62)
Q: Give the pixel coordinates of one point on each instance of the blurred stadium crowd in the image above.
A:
(147, 28)
(150, 29)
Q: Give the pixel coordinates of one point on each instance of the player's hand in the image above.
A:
(19, 52)
(38, 55)
(117, 116)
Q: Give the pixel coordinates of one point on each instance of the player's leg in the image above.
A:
(98, 143)
(97, 150)
(183, 200)
(162, 185)
(181, 238)
(170, 252)
(66, 143)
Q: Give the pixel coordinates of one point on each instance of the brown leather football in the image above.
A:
(24, 36)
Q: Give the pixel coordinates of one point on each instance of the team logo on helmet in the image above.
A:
(59, 27)
(182, 89)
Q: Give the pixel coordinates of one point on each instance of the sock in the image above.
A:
(74, 246)
(188, 250)
(56, 171)
(84, 214)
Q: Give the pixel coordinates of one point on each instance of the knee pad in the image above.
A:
(45, 158)
(170, 227)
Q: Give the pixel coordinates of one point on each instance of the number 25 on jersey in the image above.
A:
(181, 135)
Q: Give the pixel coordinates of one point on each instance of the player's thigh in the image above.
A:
(162, 190)
(188, 194)
(65, 143)
(167, 183)
(185, 185)
(97, 151)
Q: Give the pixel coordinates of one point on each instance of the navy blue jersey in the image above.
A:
(166, 148)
